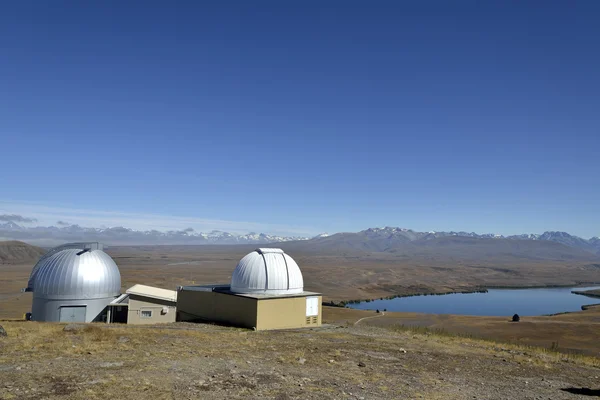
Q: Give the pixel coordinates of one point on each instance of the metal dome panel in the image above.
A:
(78, 245)
(73, 273)
(268, 271)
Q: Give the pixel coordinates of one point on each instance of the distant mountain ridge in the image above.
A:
(467, 248)
(50, 235)
(591, 245)
(379, 239)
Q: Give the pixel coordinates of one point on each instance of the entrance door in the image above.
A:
(118, 314)
(72, 314)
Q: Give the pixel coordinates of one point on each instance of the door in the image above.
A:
(119, 314)
(72, 314)
(312, 306)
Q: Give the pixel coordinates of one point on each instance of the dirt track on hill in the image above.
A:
(577, 332)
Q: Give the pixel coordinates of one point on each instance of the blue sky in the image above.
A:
(302, 117)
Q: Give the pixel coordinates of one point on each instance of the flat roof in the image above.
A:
(204, 288)
(153, 292)
(260, 296)
(224, 288)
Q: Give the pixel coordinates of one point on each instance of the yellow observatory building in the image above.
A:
(266, 292)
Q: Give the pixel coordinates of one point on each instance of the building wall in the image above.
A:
(285, 313)
(137, 304)
(49, 309)
(218, 307)
(263, 314)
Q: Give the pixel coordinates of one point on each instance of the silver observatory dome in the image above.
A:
(73, 283)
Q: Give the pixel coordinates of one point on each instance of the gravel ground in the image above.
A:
(199, 361)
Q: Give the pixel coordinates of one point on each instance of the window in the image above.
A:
(146, 314)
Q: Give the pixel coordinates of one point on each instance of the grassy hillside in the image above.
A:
(14, 252)
(575, 332)
(189, 361)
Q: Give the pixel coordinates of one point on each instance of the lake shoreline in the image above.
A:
(493, 301)
(578, 284)
(344, 303)
(588, 293)
(477, 289)
(584, 307)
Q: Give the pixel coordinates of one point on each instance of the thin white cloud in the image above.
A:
(16, 219)
(48, 215)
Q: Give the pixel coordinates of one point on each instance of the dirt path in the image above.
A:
(374, 316)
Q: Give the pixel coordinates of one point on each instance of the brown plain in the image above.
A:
(363, 276)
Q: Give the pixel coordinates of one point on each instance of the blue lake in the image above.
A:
(496, 302)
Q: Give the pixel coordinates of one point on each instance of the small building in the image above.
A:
(73, 283)
(266, 292)
(143, 304)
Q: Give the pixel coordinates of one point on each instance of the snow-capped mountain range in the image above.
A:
(413, 235)
(591, 245)
(124, 236)
(51, 235)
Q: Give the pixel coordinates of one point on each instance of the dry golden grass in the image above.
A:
(568, 333)
(41, 360)
(523, 352)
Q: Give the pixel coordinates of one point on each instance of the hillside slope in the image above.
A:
(14, 252)
(191, 361)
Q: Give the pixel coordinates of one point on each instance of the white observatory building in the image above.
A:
(266, 292)
(73, 283)
(267, 271)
